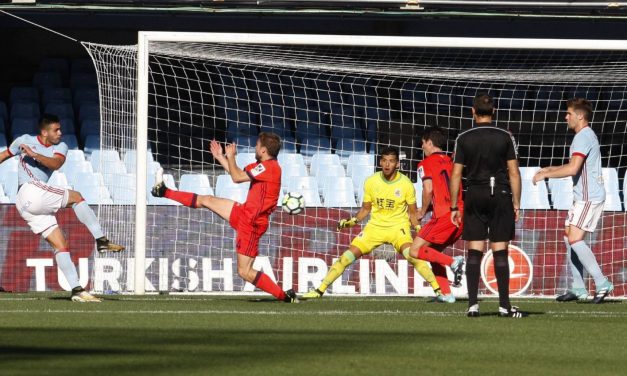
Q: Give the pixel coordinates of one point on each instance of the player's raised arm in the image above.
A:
(237, 174)
(54, 163)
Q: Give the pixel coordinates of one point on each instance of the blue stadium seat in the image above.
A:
(246, 144)
(92, 142)
(67, 125)
(85, 95)
(196, 183)
(25, 110)
(4, 113)
(56, 95)
(414, 97)
(43, 80)
(288, 145)
(24, 94)
(90, 127)
(20, 126)
(62, 110)
(82, 65)
(58, 65)
(345, 147)
(88, 111)
(3, 126)
(70, 140)
(314, 145)
(83, 80)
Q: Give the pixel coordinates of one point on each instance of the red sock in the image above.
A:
(440, 275)
(266, 284)
(432, 255)
(185, 198)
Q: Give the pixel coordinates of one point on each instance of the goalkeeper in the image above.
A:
(389, 195)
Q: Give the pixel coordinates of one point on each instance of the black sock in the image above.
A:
(501, 270)
(473, 271)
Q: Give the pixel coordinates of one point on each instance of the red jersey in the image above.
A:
(438, 167)
(265, 186)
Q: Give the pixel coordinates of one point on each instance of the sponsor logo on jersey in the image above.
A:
(421, 172)
(520, 271)
(258, 169)
(397, 193)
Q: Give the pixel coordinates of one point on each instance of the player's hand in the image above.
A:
(216, 149)
(27, 150)
(230, 150)
(456, 218)
(344, 223)
(538, 177)
(516, 214)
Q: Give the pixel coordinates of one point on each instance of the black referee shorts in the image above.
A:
(488, 216)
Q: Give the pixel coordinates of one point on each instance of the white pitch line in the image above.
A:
(308, 313)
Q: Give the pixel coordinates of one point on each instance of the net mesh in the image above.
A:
(334, 107)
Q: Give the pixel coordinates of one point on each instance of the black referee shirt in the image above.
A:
(484, 151)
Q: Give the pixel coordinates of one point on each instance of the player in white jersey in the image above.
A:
(589, 196)
(37, 202)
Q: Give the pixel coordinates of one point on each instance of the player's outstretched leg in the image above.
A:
(158, 190)
(188, 199)
(335, 271)
(87, 217)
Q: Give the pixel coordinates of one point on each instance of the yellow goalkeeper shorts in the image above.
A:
(373, 236)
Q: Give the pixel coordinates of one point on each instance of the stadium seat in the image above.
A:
(359, 161)
(3, 198)
(10, 184)
(56, 95)
(103, 157)
(561, 192)
(94, 194)
(58, 65)
(286, 158)
(8, 174)
(23, 94)
(85, 96)
(58, 179)
(25, 110)
(92, 142)
(44, 80)
(315, 145)
(359, 177)
(3, 141)
(4, 113)
(345, 147)
(244, 159)
(196, 183)
(612, 194)
(83, 80)
(21, 126)
(318, 160)
(533, 196)
(340, 183)
(75, 155)
(418, 188)
(122, 187)
(225, 188)
(90, 127)
(308, 187)
(88, 111)
(82, 65)
(290, 170)
(3, 126)
(246, 144)
(288, 145)
(67, 125)
(62, 110)
(130, 160)
(70, 140)
(73, 168)
(334, 198)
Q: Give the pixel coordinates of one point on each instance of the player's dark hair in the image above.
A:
(483, 105)
(271, 141)
(46, 120)
(581, 104)
(435, 135)
(389, 151)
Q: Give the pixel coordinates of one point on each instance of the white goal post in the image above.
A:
(142, 106)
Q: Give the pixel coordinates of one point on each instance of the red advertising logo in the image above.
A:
(520, 271)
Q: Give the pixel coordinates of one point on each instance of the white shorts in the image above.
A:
(585, 215)
(37, 203)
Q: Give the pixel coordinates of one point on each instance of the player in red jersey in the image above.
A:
(249, 219)
(439, 232)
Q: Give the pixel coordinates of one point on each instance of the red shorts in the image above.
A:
(248, 234)
(441, 231)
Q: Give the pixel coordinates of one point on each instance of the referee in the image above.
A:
(492, 200)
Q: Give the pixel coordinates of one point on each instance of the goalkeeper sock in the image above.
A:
(501, 271)
(185, 198)
(336, 270)
(266, 284)
(422, 267)
(473, 270)
(585, 255)
(433, 255)
(88, 218)
(440, 275)
(64, 262)
(576, 268)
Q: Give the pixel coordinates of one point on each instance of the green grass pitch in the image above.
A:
(46, 334)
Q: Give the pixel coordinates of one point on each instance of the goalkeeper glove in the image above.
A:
(417, 228)
(344, 223)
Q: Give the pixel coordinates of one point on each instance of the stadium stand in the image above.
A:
(225, 188)
(561, 193)
(320, 159)
(308, 187)
(56, 95)
(197, 183)
(56, 65)
(533, 196)
(44, 80)
(25, 110)
(23, 94)
(612, 194)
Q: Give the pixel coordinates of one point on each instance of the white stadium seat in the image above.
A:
(359, 159)
(196, 183)
(306, 186)
(533, 196)
(226, 188)
(104, 157)
(334, 198)
(244, 159)
(561, 192)
(612, 194)
(321, 159)
(130, 160)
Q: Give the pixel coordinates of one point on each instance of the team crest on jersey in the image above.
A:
(397, 193)
(258, 169)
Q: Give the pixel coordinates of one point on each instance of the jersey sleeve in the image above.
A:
(262, 172)
(14, 148)
(410, 197)
(424, 172)
(61, 149)
(580, 147)
(367, 190)
(512, 149)
(458, 154)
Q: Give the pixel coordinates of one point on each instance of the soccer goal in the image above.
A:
(335, 100)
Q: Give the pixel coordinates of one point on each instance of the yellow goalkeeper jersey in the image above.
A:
(389, 199)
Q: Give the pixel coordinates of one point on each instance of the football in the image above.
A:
(293, 203)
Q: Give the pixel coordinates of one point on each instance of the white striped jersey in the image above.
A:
(28, 168)
(588, 183)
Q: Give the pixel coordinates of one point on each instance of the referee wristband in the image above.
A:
(454, 208)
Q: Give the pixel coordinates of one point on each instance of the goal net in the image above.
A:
(335, 101)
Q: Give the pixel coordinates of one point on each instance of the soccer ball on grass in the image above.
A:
(293, 203)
